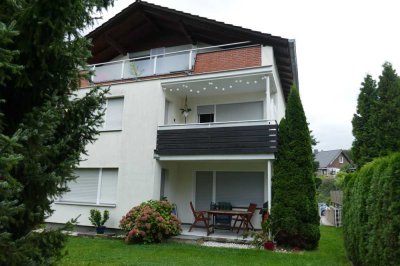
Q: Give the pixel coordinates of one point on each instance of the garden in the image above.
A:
(99, 251)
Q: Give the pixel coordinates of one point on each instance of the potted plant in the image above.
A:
(97, 220)
(264, 238)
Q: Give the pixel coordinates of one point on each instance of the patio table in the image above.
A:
(213, 213)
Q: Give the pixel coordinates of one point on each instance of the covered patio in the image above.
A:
(203, 182)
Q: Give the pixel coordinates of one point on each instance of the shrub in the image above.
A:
(372, 213)
(96, 219)
(150, 222)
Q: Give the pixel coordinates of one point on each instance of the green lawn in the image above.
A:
(87, 251)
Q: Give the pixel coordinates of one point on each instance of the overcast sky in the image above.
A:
(338, 43)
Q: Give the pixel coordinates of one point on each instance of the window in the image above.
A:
(230, 112)
(340, 159)
(239, 111)
(238, 188)
(93, 186)
(113, 115)
(205, 113)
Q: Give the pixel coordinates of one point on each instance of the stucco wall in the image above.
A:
(130, 150)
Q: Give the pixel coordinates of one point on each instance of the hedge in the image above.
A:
(371, 213)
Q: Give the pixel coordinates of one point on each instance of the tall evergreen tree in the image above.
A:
(294, 206)
(387, 115)
(44, 128)
(364, 147)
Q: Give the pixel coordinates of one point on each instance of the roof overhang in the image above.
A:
(143, 25)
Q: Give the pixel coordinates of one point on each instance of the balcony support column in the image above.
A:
(268, 98)
(269, 184)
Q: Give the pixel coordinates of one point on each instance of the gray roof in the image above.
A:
(326, 157)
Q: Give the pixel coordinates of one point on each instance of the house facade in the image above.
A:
(192, 114)
(330, 162)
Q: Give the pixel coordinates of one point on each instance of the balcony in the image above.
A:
(219, 138)
(192, 61)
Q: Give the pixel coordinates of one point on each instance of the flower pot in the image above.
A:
(100, 229)
(269, 245)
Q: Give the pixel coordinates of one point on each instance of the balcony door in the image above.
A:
(238, 188)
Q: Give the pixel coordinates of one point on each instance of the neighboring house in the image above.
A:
(330, 162)
(159, 63)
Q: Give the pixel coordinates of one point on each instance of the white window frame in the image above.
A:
(340, 159)
(98, 195)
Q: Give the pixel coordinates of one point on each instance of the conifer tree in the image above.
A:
(387, 115)
(44, 128)
(294, 207)
(364, 146)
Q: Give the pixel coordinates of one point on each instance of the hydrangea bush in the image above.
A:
(150, 222)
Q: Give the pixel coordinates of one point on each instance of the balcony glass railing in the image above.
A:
(162, 64)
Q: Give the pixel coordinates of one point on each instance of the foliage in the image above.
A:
(96, 219)
(151, 221)
(386, 117)
(372, 213)
(44, 128)
(263, 236)
(294, 206)
(324, 190)
(88, 251)
(376, 124)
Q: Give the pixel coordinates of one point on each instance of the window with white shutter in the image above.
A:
(113, 115)
(93, 186)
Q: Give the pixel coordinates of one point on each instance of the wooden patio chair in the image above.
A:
(245, 220)
(199, 216)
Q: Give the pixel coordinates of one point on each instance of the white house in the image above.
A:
(236, 82)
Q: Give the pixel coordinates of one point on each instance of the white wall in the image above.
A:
(130, 150)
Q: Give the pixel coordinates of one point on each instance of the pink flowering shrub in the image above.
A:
(150, 222)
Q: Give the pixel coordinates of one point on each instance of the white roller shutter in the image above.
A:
(239, 111)
(84, 189)
(108, 190)
(113, 118)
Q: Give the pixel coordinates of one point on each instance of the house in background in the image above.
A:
(330, 162)
(192, 114)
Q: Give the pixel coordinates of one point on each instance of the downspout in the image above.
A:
(293, 60)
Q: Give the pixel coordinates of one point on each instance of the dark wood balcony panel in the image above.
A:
(258, 139)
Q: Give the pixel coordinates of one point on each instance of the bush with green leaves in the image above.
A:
(371, 213)
(150, 222)
(96, 218)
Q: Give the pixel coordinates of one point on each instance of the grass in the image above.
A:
(87, 251)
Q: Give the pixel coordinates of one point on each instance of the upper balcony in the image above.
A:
(240, 138)
(198, 60)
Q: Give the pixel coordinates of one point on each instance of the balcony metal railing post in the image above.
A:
(93, 74)
(155, 65)
(122, 69)
(190, 58)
